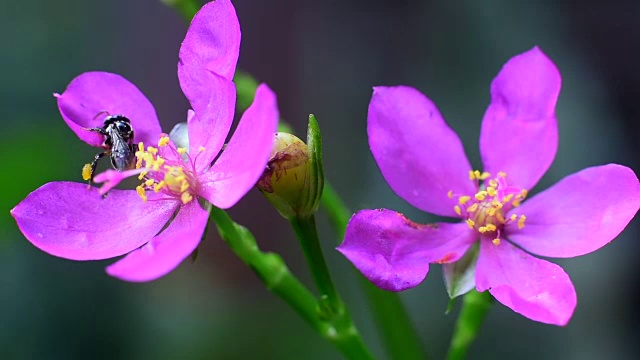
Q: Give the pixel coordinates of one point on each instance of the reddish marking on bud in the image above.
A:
(273, 166)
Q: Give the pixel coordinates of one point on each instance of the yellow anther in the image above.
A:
(516, 202)
(182, 150)
(149, 182)
(496, 241)
(463, 199)
(140, 190)
(472, 175)
(477, 174)
(491, 191)
(138, 161)
(457, 210)
(146, 157)
(142, 175)
(140, 147)
(471, 223)
(159, 186)
(482, 229)
(164, 141)
(184, 186)
(481, 195)
(493, 183)
(152, 150)
(490, 227)
(491, 211)
(158, 163)
(450, 194)
(524, 193)
(186, 197)
(485, 175)
(472, 208)
(502, 174)
(521, 221)
(513, 217)
(507, 198)
(86, 171)
(201, 149)
(496, 204)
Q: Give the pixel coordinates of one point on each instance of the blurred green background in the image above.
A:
(321, 57)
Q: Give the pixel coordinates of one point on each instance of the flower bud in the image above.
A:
(283, 182)
(180, 134)
(293, 180)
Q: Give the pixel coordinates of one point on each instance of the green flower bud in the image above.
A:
(283, 182)
(293, 179)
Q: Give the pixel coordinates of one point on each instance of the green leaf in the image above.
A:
(186, 8)
(246, 87)
(459, 277)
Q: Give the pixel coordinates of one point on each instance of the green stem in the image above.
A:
(305, 229)
(475, 307)
(332, 307)
(395, 327)
(275, 274)
(186, 8)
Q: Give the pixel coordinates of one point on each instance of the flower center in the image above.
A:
(172, 175)
(485, 211)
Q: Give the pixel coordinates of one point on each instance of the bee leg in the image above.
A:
(94, 164)
(100, 131)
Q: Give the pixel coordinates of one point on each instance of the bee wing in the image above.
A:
(122, 153)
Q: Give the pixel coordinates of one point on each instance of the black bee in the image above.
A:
(118, 144)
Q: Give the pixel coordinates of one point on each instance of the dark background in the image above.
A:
(321, 57)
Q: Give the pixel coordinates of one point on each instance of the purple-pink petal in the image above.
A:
(534, 288)
(519, 131)
(111, 178)
(394, 253)
(165, 251)
(210, 124)
(92, 96)
(212, 43)
(208, 58)
(68, 220)
(245, 157)
(579, 214)
(420, 157)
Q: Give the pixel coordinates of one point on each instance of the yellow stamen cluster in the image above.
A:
(485, 210)
(175, 180)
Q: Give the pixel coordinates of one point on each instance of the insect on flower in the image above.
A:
(161, 223)
(118, 143)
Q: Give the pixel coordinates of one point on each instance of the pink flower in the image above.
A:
(424, 162)
(68, 220)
